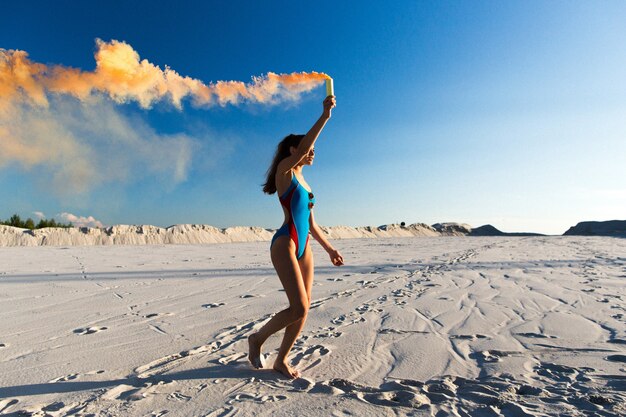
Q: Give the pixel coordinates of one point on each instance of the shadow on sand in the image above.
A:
(218, 371)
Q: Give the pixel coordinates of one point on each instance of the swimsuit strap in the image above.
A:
(300, 184)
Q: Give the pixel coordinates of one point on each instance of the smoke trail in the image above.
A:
(64, 120)
(123, 76)
(71, 147)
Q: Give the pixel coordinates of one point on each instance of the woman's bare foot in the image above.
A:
(254, 354)
(286, 370)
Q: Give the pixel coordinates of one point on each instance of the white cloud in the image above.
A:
(79, 221)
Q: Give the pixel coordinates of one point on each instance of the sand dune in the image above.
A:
(188, 234)
(185, 234)
(504, 326)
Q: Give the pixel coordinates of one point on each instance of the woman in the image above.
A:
(290, 250)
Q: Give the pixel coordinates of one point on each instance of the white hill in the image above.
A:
(192, 234)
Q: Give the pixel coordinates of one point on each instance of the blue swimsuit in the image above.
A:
(298, 202)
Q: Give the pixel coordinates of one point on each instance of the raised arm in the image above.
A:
(309, 139)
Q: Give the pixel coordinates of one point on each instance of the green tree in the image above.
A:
(16, 221)
(29, 224)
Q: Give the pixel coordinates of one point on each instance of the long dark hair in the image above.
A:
(282, 151)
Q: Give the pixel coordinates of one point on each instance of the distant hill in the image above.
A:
(452, 229)
(616, 228)
(204, 234)
(489, 230)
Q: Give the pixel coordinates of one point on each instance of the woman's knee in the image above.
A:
(299, 310)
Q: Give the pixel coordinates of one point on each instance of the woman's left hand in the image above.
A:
(335, 257)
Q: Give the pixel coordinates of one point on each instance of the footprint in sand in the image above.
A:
(302, 384)
(396, 398)
(222, 412)
(71, 377)
(164, 364)
(528, 390)
(616, 358)
(401, 293)
(56, 406)
(5, 404)
(89, 330)
(65, 378)
(491, 355)
(127, 392)
(137, 392)
(398, 331)
(468, 336)
(354, 318)
(225, 360)
(368, 307)
(560, 373)
(338, 319)
(213, 305)
(346, 293)
(178, 396)
(3, 345)
(311, 356)
(327, 332)
(536, 335)
(600, 400)
(261, 399)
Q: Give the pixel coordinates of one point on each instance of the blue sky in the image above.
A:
(508, 113)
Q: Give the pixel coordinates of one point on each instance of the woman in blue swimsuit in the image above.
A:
(290, 250)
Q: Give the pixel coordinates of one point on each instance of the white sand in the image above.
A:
(510, 326)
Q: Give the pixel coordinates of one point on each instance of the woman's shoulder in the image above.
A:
(289, 175)
(283, 181)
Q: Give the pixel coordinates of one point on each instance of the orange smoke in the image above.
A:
(124, 77)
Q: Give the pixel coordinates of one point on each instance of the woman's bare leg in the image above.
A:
(288, 270)
(293, 330)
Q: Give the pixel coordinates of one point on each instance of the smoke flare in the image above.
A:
(123, 76)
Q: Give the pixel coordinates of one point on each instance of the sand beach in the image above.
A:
(414, 326)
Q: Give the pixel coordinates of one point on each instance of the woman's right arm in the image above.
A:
(309, 139)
